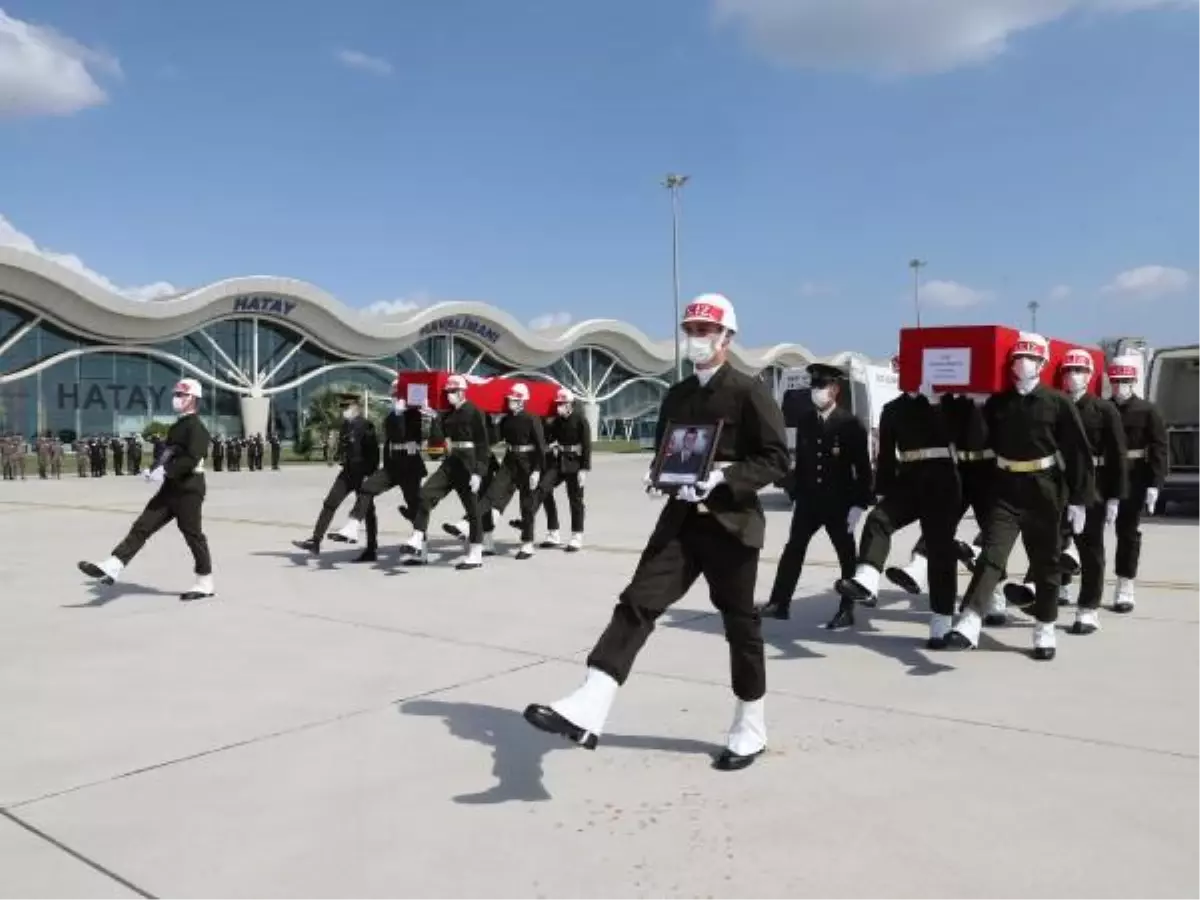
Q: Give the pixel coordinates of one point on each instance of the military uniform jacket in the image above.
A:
(466, 430)
(402, 443)
(358, 447)
(569, 441)
(1106, 436)
(1036, 425)
(833, 461)
(910, 425)
(524, 443)
(752, 441)
(183, 452)
(1146, 435)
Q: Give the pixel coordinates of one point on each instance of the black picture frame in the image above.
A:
(674, 467)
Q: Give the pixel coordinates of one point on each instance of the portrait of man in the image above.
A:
(685, 456)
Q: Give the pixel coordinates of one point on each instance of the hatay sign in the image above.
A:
(123, 397)
(271, 306)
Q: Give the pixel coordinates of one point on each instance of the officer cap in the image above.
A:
(823, 373)
(349, 398)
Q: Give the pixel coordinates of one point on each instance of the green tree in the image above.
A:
(324, 415)
(155, 429)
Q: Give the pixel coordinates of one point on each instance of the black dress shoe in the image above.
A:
(1043, 654)
(843, 618)
(188, 596)
(729, 761)
(957, 641)
(966, 554)
(1122, 607)
(777, 609)
(938, 643)
(466, 566)
(406, 512)
(312, 545)
(339, 538)
(514, 523)
(1021, 596)
(1080, 628)
(91, 570)
(545, 719)
(524, 554)
(453, 531)
(369, 555)
(902, 579)
(852, 590)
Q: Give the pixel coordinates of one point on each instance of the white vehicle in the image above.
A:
(1173, 385)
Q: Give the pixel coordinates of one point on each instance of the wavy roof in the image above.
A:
(80, 305)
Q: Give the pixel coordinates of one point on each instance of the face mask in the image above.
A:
(179, 404)
(1077, 382)
(1123, 390)
(454, 398)
(700, 350)
(564, 410)
(349, 414)
(822, 397)
(398, 405)
(514, 405)
(1024, 368)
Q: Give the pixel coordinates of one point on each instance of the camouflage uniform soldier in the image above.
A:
(6, 460)
(81, 457)
(43, 457)
(19, 451)
(56, 457)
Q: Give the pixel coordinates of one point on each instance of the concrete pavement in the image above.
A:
(329, 729)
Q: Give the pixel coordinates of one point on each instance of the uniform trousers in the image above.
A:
(668, 567)
(977, 477)
(344, 485)
(499, 494)
(1128, 528)
(452, 476)
(170, 503)
(550, 480)
(383, 480)
(930, 497)
(810, 515)
(1030, 505)
(1090, 544)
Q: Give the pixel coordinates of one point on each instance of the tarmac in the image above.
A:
(327, 729)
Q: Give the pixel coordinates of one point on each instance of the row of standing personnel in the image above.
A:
(538, 455)
(1051, 466)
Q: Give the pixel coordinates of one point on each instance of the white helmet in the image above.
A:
(519, 392)
(454, 384)
(1124, 368)
(189, 386)
(1077, 358)
(1032, 345)
(713, 308)
(564, 396)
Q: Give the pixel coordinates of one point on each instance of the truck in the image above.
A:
(1173, 385)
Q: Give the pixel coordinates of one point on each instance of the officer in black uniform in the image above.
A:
(832, 484)
(118, 455)
(95, 457)
(917, 479)
(276, 447)
(569, 449)
(403, 467)
(1146, 450)
(1043, 464)
(519, 473)
(133, 453)
(714, 528)
(358, 452)
(180, 473)
(1106, 437)
(218, 453)
(464, 428)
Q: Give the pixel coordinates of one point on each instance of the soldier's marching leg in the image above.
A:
(999, 535)
(410, 488)
(1041, 532)
(546, 490)
(527, 498)
(154, 516)
(476, 539)
(364, 504)
(576, 503)
(938, 525)
(805, 522)
(371, 551)
(495, 496)
(187, 508)
(1091, 576)
(435, 489)
(842, 538)
(1129, 547)
(338, 491)
(891, 514)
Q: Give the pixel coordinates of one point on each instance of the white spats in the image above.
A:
(576, 542)
(1087, 620)
(203, 586)
(415, 542)
(918, 571)
(552, 539)
(474, 555)
(525, 552)
(969, 625)
(748, 733)
(1064, 595)
(112, 567)
(1123, 597)
(588, 707)
(867, 577)
(488, 546)
(997, 605)
(940, 626)
(349, 532)
(1043, 636)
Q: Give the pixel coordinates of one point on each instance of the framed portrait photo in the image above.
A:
(685, 455)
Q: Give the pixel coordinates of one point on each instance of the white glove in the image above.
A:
(648, 483)
(476, 481)
(856, 513)
(1151, 499)
(1110, 511)
(582, 476)
(1077, 516)
(155, 475)
(698, 492)
(534, 479)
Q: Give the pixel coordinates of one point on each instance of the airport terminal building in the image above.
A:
(77, 359)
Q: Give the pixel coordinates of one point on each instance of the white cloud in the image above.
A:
(952, 294)
(899, 37)
(1059, 292)
(44, 73)
(400, 307)
(551, 321)
(10, 236)
(356, 59)
(1148, 282)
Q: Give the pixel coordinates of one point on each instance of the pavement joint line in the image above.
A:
(1187, 586)
(75, 854)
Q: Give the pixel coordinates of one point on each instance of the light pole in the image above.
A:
(916, 265)
(674, 183)
(1032, 306)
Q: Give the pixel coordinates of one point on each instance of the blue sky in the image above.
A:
(413, 151)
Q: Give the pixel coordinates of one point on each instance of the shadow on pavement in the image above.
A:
(518, 749)
(104, 594)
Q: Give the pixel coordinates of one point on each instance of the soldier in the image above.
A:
(43, 456)
(95, 457)
(403, 467)
(1106, 437)
(917, 480)
(6, 457)
(118, 455)
(134, 453)
(1146, 442)
(179, 472)
(714, 528)
(464, 465)
(569, 445)
(358, 452)
(519, 473)
(81, 457)
(259, 446)
(1044, 468)
(218, 453)
(276, 446)
(20, 450)
(56, 457)
(832, 490)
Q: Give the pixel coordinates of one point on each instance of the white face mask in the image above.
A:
(822, 397)
(564, 409)
(514, 405)
(1123, 390)
(398, 406)
(349, 413)
(179, 404)
(1024, 368)
(1077, 382)
(454, 398)
(701, 350)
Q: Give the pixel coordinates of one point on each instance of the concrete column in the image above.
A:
(591, 411)
(256, 413)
